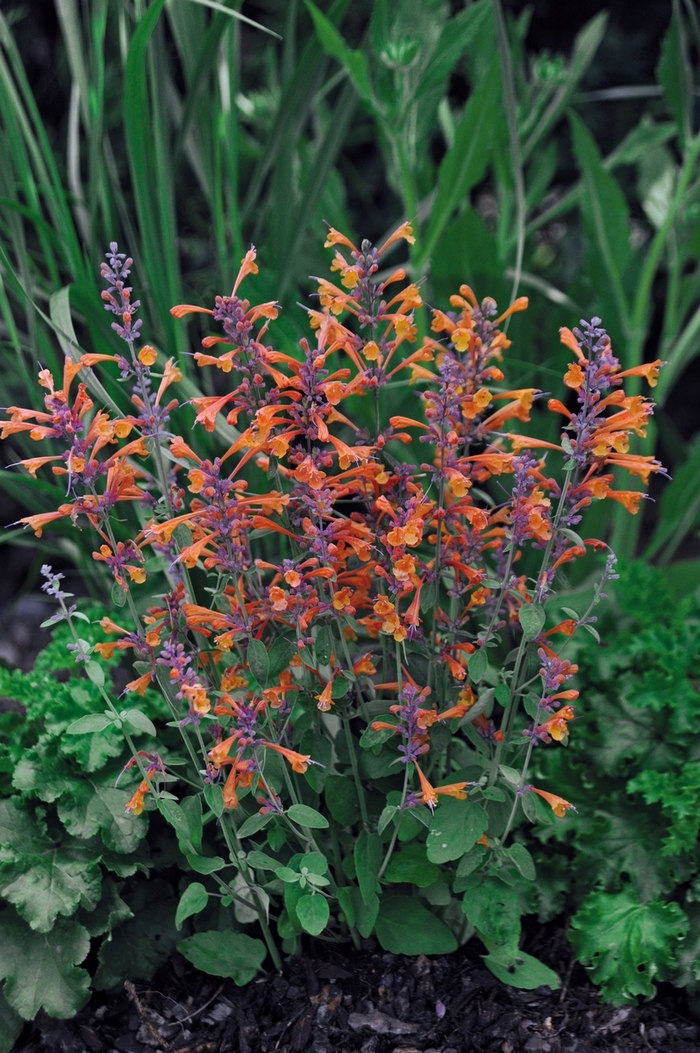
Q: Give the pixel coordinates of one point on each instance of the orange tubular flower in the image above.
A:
(299, 762)
(429, 794)
(558, 805)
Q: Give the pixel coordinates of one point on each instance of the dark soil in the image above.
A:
(333, 1001)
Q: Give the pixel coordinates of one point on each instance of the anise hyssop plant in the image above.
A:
(347, 621)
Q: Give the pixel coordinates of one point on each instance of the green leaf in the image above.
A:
(230, 954)
(517, 969)
(360, 915)
(305, 816)
(493, 908)
(206, 864)
(523, 861)
(624, 943)
(56, 882)
(455, 828)
(605, 211)
(193, 900)
(173, 814)
(254, 823)
(139, 722)
(478, 663)
(96, 809)
(40, 968)
(675, 76)
(11, 1025)
(412, 865)
(90, 724)
(135, 949)
(470, 861)
(389, 813)
(313, 913)
(214, 796)
(332, 42)
(323, 645)
(259, 661)
(95, 673)
(465, 163)
(261, 861)
(279, 656)
(368, 859)
(192, 810)
(532, 618)
(341, 799)
(405, 926)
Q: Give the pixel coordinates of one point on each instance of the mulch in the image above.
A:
(333, 1000)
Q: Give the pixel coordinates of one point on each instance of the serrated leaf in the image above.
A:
(624, 943)
(11, 1025)
(139, 722)
(305, 816)
(135, 949)
(56, 882)
(91, 724)
(405, 926)
(193, 900)
(40, 968)
(100, 809)
(258, 661)
(532, 618)
(313, 913)
(229, 954)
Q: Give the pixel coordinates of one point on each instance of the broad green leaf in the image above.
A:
(354, 61)
(454, 829)
(214, 796)
(368, 859)
(625, 944)
(323, 645)
(341, 799)
(135, 949)
(254, 823)
(523, 861)
(11, 1024)
(517, 969)
(360, 915)
(532, 618)
(305, 816)
(405, 926)
(90, 724)
(261, 861)
(470, 861)
(192, 810)
(138, 721)
(412, 865)
(230, 954)
(279, 656)
(206, 864)
(493, 908)
(478, 663)
(313, 913)
(40, 968)
(19, 830)
(93, 809)
(465, 163)
(109, 912)
(58, 881)
(193, 900)
(259, 661)
(95, 673)
(173, 813)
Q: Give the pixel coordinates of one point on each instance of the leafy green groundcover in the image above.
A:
(632, 769)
